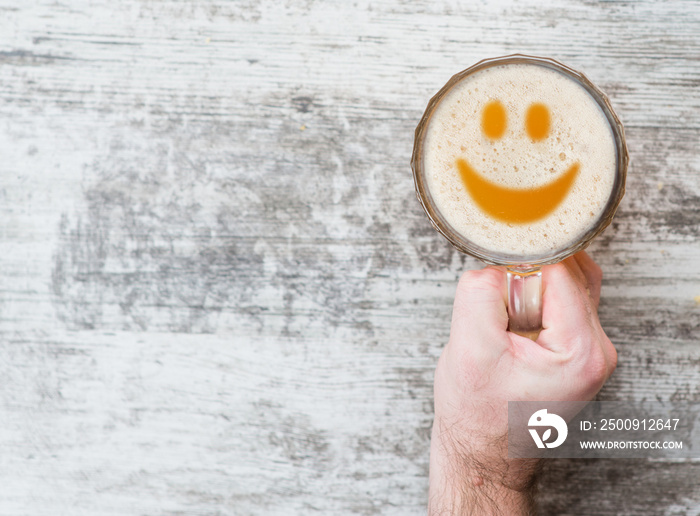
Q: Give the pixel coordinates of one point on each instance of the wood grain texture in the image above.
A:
(218, 294)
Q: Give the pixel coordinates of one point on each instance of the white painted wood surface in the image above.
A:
(218, 295)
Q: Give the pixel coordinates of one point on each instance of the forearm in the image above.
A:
(475, 477)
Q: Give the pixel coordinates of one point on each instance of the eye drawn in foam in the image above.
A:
(516, 158)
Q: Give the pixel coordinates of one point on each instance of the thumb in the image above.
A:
(480, 303)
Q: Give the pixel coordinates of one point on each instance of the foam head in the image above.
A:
(519, 138)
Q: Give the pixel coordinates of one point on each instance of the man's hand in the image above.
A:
(484, 366)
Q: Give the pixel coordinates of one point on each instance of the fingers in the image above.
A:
(478, 336)
(572, 351)
(575, 270)
(593, 274)
(571, 292)
(594, 278)
(564, 304)
(610, 357)
(479, 316)
(570, 320)
(587, 274)
(481, 298)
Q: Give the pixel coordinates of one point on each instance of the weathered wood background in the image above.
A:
(218, 294)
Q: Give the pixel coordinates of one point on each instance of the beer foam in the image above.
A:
(579, 133)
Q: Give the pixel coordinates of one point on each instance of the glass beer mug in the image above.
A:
(523, 269)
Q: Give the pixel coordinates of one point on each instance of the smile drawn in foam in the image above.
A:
(516, 205)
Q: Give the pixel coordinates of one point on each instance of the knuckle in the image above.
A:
(613, 357)
(597, 272)
(474, 280)
(468, 278)
(596, 367)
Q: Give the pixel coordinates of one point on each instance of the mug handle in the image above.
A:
(525, 301)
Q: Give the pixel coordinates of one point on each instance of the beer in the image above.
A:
(519, 159)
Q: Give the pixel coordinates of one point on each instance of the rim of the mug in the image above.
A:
(523, 262)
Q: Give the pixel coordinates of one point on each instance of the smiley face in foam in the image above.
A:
(519, 159)
(515, 204)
